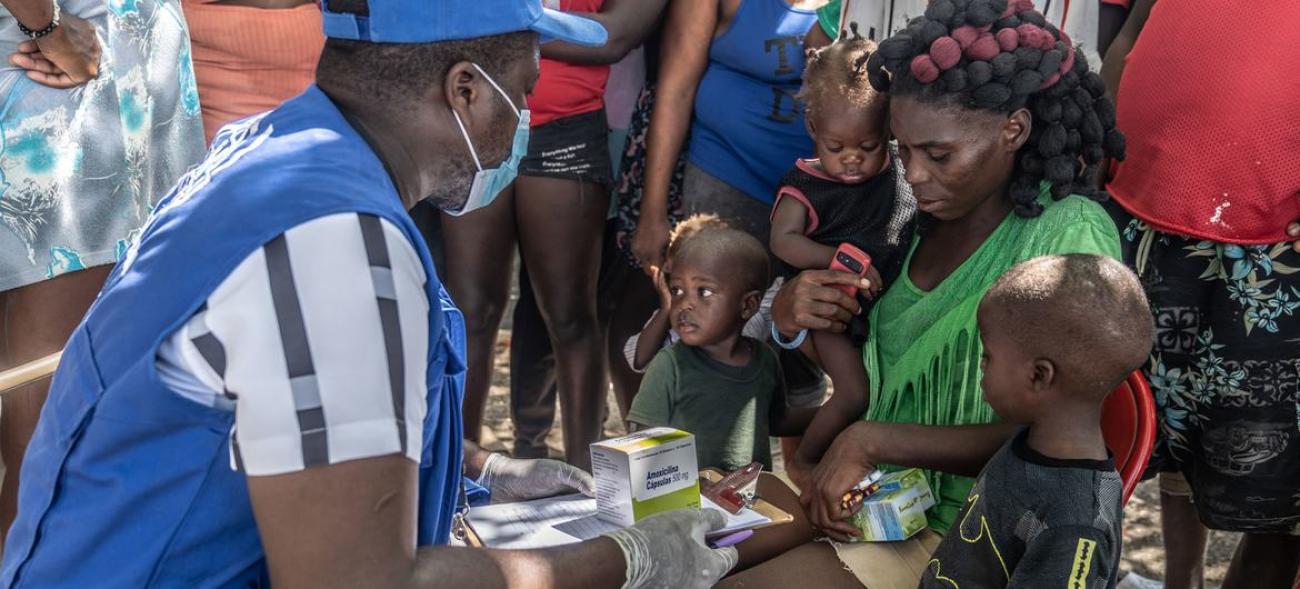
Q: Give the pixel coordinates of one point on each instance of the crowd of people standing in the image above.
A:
(994, 132)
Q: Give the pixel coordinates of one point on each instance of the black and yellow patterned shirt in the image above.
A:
(1033, 521)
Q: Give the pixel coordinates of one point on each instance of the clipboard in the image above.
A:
(761, 506)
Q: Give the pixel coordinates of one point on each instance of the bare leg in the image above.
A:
(480, 250)
(35, 321)
(768, 543)
(532, 374)
(560, 223)
(789, 447)
(1184, 539)
(629, 298)
(843, 362)
(1264, 561)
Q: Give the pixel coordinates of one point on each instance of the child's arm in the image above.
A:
(653, 405)
(788, 242)
(843, 362)
(651, 340)
(655, 333)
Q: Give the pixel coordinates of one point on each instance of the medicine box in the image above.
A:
(645, 473)
(897, 510)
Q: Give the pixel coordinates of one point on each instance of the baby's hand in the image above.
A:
(877, 283)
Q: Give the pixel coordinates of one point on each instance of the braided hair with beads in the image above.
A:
(1002, 56)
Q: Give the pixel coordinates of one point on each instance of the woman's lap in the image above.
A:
(801, 561)
(810, 565)
(823, 563)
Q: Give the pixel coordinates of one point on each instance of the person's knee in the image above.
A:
(482, 316)
(572, 324)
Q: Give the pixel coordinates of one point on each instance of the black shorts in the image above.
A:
(573, 148)
(1225, 372)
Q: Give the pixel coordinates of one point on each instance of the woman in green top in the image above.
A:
(998, 156)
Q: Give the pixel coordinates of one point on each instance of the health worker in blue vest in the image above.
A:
(268, 388)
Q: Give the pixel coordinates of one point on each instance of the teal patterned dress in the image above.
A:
(80, 169)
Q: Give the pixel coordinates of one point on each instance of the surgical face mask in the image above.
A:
(490, 182)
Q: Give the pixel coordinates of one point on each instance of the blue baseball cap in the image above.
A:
(430, 21)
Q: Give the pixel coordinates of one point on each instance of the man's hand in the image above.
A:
(512, 479)
(66, 58)
(668, 550)
(843, 466)
(1293, 231)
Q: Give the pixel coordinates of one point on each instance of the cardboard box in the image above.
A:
(897, 510)
(645, 473)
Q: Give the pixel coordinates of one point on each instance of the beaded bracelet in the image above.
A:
(54, 24)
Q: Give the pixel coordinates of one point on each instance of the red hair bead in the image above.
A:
(924, 69)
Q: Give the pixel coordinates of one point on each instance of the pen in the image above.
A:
(731, 539)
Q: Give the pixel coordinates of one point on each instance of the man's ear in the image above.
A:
(1043, 378)
(461, 90)
(750, 303)
(1015, 130)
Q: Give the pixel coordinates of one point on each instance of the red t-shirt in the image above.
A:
(566, 89)
(1210, 104)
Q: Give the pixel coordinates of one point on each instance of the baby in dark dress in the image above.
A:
(848, 195)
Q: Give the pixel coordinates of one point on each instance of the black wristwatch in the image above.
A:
(34, 35)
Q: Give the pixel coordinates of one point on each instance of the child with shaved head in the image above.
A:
(716, 382)
(1059, 333)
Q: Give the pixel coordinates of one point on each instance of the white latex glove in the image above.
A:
(667, 551)
(512, 479)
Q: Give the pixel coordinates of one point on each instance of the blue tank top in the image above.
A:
(748, 126)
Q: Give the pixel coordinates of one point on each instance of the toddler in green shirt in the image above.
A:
(714, 382)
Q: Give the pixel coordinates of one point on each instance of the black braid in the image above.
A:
(1074, 123)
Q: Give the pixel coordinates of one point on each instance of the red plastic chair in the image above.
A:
(1128, 422)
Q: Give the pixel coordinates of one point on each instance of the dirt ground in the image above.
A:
(1143, 552)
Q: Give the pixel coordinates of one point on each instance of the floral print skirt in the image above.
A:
(631, 181)
(80, 169)
(1225, 372)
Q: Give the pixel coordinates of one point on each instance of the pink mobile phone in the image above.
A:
(852, 260)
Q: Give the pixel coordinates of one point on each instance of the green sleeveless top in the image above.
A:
(922, 355)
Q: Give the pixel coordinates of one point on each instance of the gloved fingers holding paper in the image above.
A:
(668, 550)
(512, 479)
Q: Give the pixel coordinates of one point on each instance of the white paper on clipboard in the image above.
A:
(567, 519)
